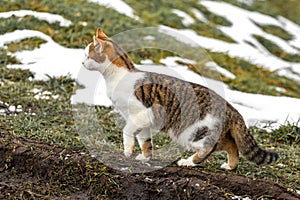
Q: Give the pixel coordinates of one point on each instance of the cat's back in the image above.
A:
(166, 90)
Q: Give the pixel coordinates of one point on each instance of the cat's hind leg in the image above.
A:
(200, 155)
(203, 140)
(232, 155)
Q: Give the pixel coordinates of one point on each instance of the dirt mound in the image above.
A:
(30, 169)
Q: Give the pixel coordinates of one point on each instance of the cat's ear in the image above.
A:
(100, 34)
(95, 41)
(97, 44)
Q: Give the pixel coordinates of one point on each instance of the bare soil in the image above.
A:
(33, 170)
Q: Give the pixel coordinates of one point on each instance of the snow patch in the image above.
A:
(13, 110)
(39, 94)
(119, 6)
(199, 15)
(221, 70)
(293, 29)
(242, 30)
(51, 58)
(248, 2)
(186, 19)
(51, 18)
(172, 61)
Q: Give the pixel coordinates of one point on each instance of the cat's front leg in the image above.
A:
(128, 142)
(129, 133)
(145, 143)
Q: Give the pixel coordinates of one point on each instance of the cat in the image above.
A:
(192, 115)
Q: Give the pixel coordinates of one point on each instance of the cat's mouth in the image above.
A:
(84, 64)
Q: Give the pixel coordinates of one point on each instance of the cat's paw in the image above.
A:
(127, 153)
(186, 163)
(226, 166)
(142, 158)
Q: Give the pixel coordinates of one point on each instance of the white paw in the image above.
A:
(186, 163)
(226, 166)
(142, 158)
(127, 153)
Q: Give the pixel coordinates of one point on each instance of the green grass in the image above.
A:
(49, 120)
(25, 44)
(276, 50)
(255, 79)
(78, 11)
(289, 9)
(157, 12)
(77, 36)
(277, 31)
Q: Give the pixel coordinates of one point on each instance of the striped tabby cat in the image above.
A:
(191, 114)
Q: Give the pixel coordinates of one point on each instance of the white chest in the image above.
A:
(120, 89)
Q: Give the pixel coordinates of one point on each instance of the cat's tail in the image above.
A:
(247, 145)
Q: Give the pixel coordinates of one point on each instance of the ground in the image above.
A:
(36, 170)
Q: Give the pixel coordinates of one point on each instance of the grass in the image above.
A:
(52, 120)
(277, 31)
(38, 118)
(156, 12)
(75, 36)
(274, 8)
(25, 44)
(255, 79)
(276, 50)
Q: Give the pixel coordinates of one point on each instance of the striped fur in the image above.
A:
(193, 115)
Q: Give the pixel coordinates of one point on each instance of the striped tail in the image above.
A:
(247, 145)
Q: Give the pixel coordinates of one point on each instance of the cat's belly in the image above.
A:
(196, 135)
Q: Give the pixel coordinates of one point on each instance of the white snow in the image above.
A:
(56, 60)
(39, 94)
(221, 70)
(242, 29)
(199, 15)
(293, 28)
(51, 58)
(12, 109)
(186, 19)
(51, 18)
(119, 6)
(248, 2)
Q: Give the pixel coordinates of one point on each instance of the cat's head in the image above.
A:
(103, 53)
